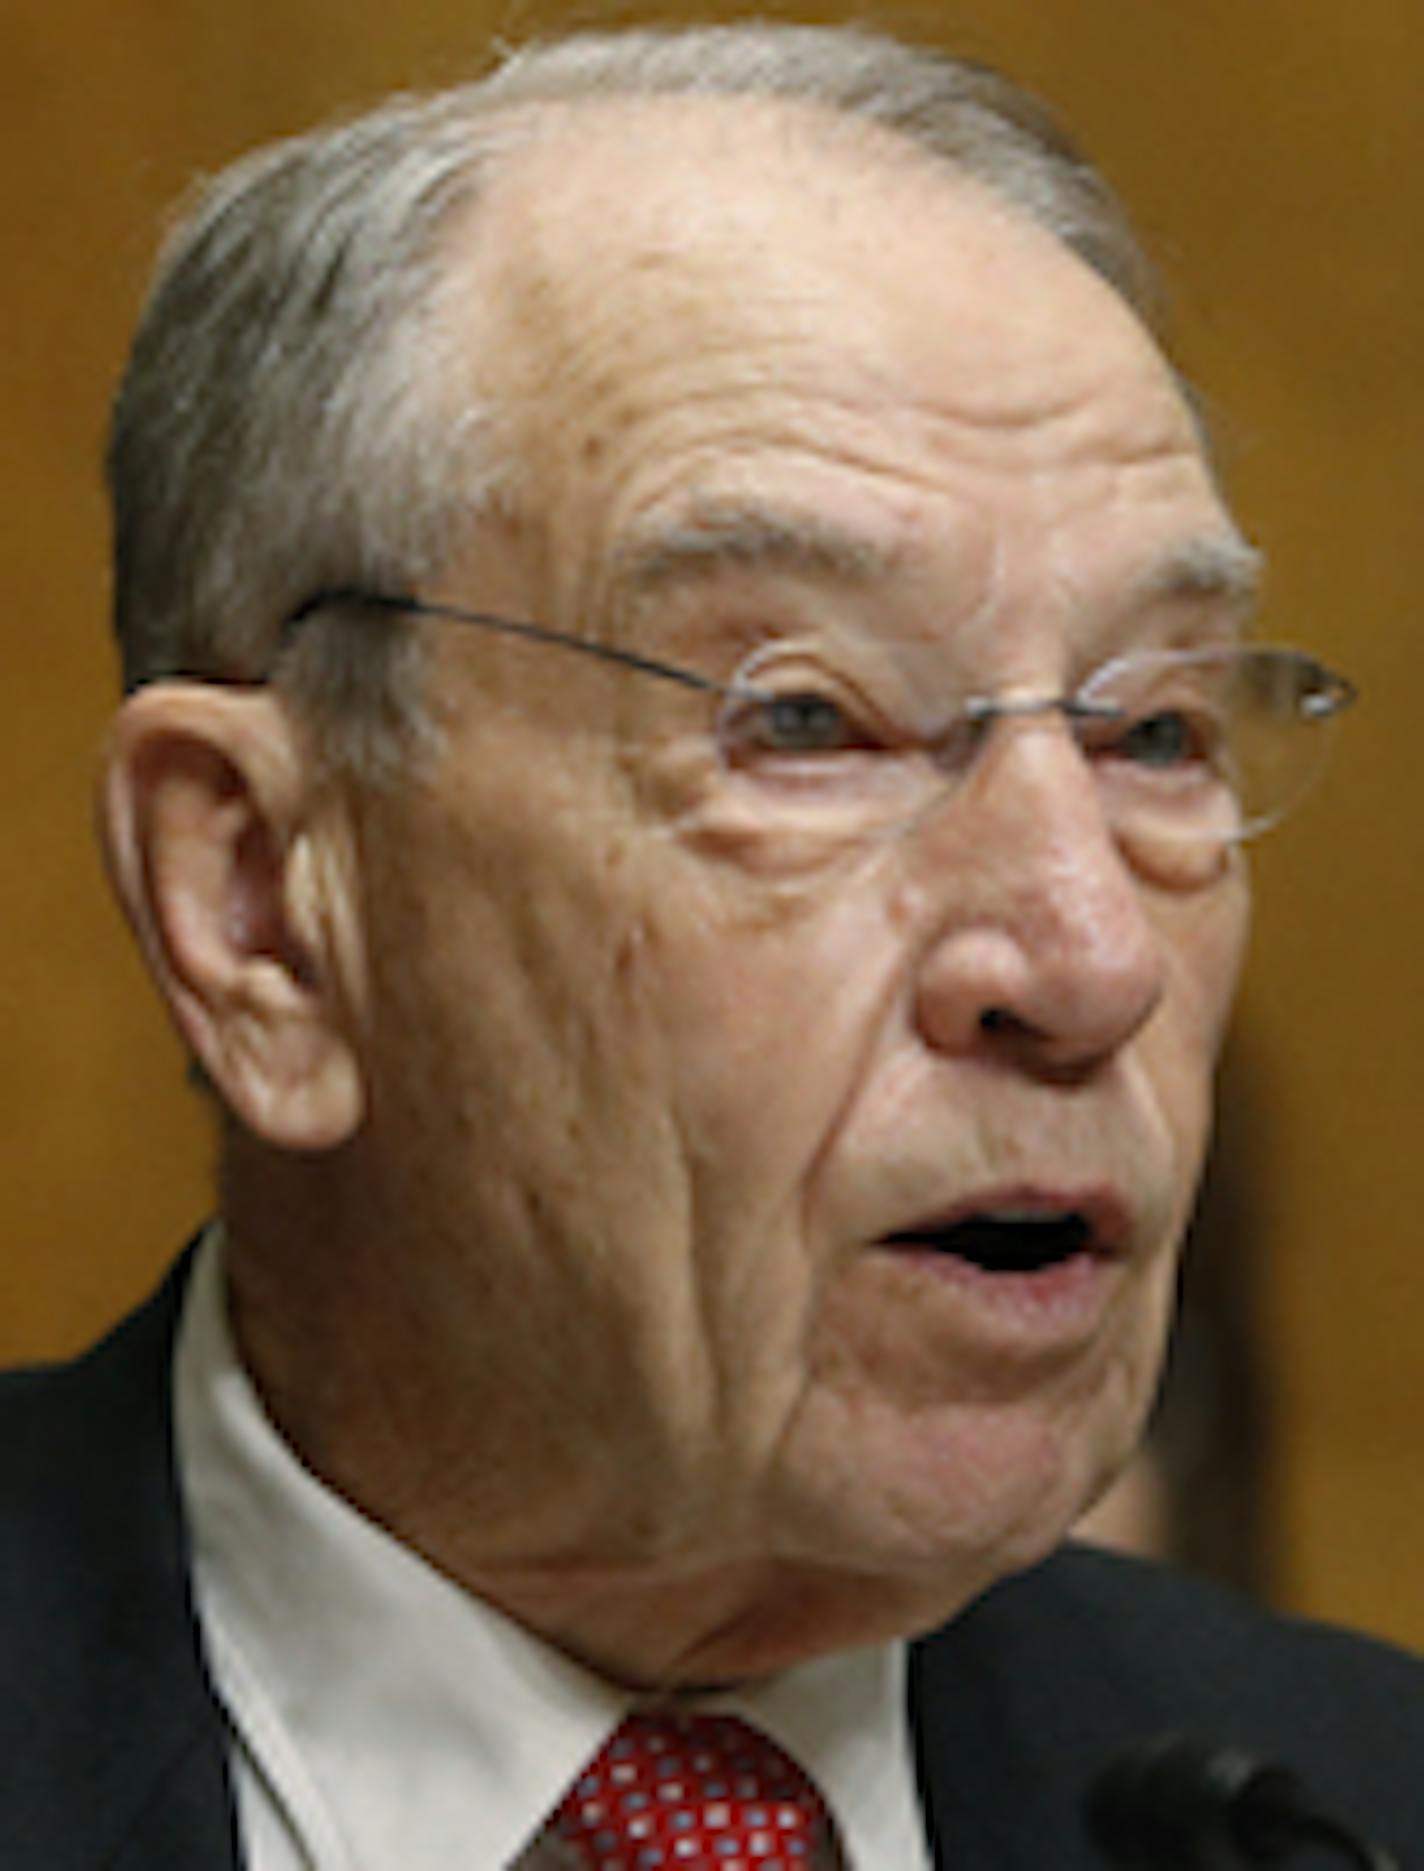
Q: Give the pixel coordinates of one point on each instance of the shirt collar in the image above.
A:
(393, 1717)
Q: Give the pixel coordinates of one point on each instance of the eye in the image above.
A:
(1167, 714)
(800, 722)
(1168, 738)
(786, 718)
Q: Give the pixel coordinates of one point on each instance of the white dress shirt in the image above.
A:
(382, 1719)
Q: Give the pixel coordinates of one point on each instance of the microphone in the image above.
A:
(1172, 1804)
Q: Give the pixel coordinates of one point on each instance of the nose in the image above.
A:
(1043, 948)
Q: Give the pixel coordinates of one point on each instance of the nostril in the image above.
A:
(999, 1020)
(1063, 1059)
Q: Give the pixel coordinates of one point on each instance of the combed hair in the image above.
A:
(297, 412)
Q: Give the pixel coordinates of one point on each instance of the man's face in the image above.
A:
(757, 1194)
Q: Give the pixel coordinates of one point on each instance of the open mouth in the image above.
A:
(1005, 1242)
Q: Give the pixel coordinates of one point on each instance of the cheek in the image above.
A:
(616, 1059)
(1206, 943)
(766, 1013)
(773, 1003)
(511, 1049)
(1207, 939)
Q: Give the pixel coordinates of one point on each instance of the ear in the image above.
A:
(229, 863)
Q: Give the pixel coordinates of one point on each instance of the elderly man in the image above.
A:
(689, 743)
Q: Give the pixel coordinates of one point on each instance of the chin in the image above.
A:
(961, 1499)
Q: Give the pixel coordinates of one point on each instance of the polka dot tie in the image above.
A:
(691, 1793)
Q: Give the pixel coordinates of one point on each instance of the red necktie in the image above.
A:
(691, 1793)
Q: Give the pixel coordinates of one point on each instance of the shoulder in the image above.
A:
(1059, 1669)
(1135, 1617)
(64, 1427)
(98, 1645)
(88, 1493)
(1089, 1630)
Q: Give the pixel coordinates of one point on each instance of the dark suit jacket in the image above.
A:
(112, 1749)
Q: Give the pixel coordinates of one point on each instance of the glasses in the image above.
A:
(1193, 750)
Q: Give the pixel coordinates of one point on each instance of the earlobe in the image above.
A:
(223, 860)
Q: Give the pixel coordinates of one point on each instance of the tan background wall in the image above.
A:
(1274, 150)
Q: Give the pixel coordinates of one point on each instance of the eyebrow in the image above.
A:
(1223, 566)
(714, 535)
(717, 533)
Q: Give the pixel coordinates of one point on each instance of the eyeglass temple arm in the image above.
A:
(352, 598)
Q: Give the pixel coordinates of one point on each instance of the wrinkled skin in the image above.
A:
(595, 1274)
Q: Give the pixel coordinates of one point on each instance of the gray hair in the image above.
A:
(291, 419)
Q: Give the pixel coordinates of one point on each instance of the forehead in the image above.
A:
(686, 300)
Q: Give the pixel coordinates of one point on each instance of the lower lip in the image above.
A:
(1049, 1305)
